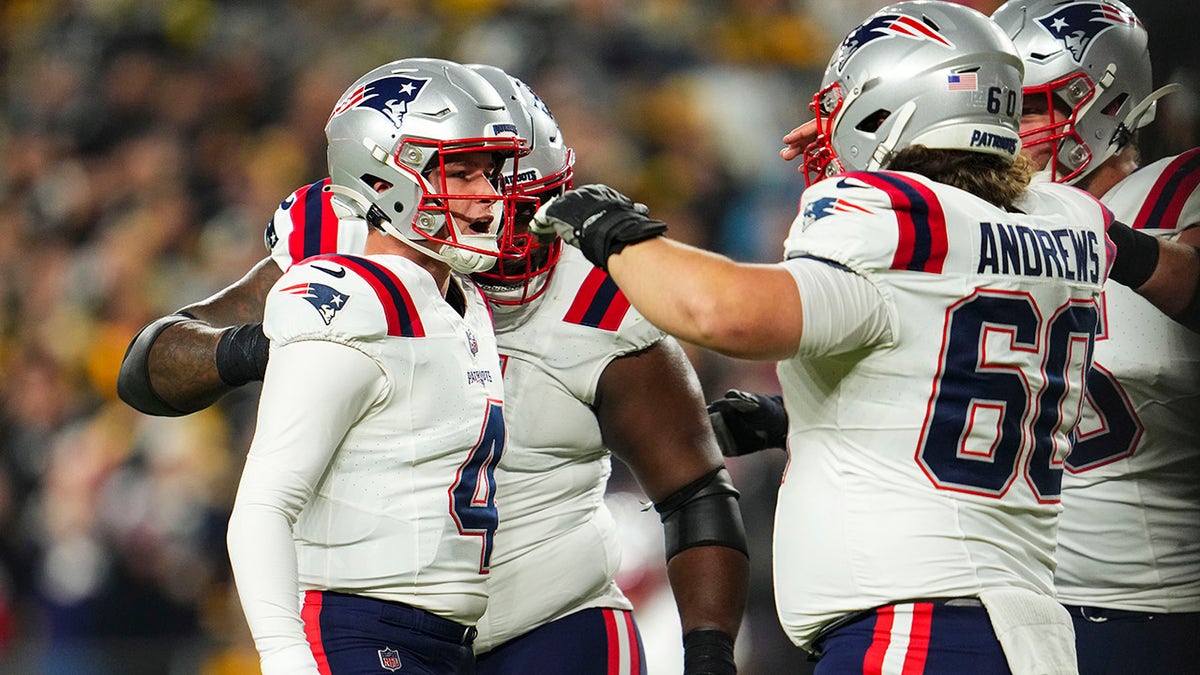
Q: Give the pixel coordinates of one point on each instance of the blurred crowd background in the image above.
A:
(145, 143)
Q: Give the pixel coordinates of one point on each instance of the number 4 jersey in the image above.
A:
(398, 491)
(926, 461)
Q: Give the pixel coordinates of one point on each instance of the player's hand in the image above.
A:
(745, 422)
(796, 140)
(597, 220)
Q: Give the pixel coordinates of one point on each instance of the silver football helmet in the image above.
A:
(926, 73)
(526, 264)
(1087, 64)
(390, 136)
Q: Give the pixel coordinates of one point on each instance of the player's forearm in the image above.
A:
(184, 362)
(182, 366)
(1173, 285)
(709, 584)
(741, 310)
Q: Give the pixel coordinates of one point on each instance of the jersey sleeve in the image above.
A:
(325, 298)
(305, 225)
(856, 221)
(312, 393)
(597, 325)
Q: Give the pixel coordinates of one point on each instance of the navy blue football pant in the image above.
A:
(1116, 642)
(940, 637)
(588, 642)
(355, 635)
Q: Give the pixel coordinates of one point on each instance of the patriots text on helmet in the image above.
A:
(985, 139)
(1024, 251)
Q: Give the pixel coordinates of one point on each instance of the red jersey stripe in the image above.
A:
(599, 303)
(398, 305)
(1170, 192)
(922, 243)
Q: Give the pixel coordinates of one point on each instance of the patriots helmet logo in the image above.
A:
(326, 299)
(1076, 25)
(828, 206)
(888, 25)
(390, 96)
(389, 658)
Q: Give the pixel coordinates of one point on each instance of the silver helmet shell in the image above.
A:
(1089, 62)
(526, 263)
(390, 133)
(926, 73)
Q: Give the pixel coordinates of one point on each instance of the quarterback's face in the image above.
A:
(469, 175)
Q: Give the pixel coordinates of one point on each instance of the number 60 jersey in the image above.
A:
(926, 454)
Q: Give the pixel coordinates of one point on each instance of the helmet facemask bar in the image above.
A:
(434, 219)
(1069, 156)
(527, 262)
(820, 160)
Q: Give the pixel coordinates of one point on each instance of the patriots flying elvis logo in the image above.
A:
(888, 25)
(828, 206)
(326, 299)
(1077, 24)
(389, 96)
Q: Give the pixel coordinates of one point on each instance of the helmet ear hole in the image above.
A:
(1114, 106)
(871, 123)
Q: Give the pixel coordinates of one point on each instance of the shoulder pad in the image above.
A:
(305, 225)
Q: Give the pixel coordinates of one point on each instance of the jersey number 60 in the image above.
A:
(1009, 382)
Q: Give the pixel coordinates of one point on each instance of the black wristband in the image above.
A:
(708, 651)
(242, 354)
(1136, 258)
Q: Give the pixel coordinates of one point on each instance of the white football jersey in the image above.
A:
(1129, 537)
(305, 225)
(557, 550)
(405, 510)
(930, 465)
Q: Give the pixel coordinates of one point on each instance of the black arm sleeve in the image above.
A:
(133, 381)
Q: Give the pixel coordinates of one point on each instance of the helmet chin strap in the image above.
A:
(459, 259)
(884, 151)
(1139, 116)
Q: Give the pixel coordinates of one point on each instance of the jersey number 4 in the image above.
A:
(473, 495)
(1010, 382)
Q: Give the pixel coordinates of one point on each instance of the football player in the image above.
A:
(369, 485)
(586, 375)
(1129, 536)
(932, 321)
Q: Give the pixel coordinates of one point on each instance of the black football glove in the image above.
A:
(597, 220)
(745, 422)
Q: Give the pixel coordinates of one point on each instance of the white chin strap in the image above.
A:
(885, 151)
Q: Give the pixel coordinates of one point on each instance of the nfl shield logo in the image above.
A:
(390, 659)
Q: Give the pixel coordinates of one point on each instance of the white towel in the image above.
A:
(1035, 631)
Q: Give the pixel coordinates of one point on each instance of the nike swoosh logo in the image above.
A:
(842, 183)
(287, 203)
(338, 273)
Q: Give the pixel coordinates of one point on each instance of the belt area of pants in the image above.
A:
(414, 618)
